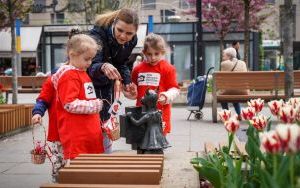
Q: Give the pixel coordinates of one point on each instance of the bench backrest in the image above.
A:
(253, 80)
(23, 81)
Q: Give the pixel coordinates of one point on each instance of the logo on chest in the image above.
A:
(148, 79)
(89, 90)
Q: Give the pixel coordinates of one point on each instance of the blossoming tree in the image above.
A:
(10, 10)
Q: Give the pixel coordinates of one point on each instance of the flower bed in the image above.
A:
(273, 158)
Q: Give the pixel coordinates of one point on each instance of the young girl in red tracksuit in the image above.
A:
(77, 106)
(46, 100)
(156, 73)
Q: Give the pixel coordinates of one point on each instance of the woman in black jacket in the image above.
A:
(116, 32)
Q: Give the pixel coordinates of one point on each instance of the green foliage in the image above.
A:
(2, 100)
(13, 9)
(257, 170)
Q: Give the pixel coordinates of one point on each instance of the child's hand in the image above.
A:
(130, 91)
(162, 99)
(36, 119)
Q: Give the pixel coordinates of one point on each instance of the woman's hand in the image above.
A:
(36, 119)
(130, 91)
(110, 71)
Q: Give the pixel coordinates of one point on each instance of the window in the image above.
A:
(148, 4)
(38, 6)
(164, 14)
(75, 6)
(270, 1)
(57, 18)
(26, 19)
(185, 4)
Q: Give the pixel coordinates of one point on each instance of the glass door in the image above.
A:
(181, 58)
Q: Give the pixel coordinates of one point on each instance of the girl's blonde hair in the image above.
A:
(126, 15)
(156, 42)
(81, 43)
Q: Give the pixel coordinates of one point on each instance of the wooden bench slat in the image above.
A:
(113, 167)
(119, 158)
(122, 155)
(96, 186)
(109, 176)
(99, 162)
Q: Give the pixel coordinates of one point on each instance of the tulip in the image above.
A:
(270, 142)
(294, 144)
(294, 102)
(224, 115)
(284, 136)
(248, 113)
(259, 122)
(287, 114)
(257, 104)
(275, 106)
(232, 125)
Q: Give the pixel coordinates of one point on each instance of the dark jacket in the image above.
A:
(114, 53)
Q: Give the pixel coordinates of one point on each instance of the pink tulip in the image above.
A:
(287, 114)
(270, 142)
(257, 104)
(224, 115)
(275, 106)
(232, 125)
(248, 113)
(259, 122)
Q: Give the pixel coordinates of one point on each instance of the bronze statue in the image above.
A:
(153, 141)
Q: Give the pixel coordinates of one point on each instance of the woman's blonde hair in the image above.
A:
(126, 15)
(81, 43)
(156, 42)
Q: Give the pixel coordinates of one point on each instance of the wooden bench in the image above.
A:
(267, 85)
(97, 186)
(26, 84)
(14, 116)
(111, 170)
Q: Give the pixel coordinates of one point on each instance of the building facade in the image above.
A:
(55, 18)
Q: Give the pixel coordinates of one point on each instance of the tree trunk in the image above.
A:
(221, 49)
(14, 56)
(287, 37)
(246, 32)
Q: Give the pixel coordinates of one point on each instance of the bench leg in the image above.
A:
(214, 100)
(214, 111)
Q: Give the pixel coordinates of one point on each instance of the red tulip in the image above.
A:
(294, 102)
(294, 143)
(257, 104)
(232, 125)
(270, 142)
(287, 114)
(224, 115)
(284, 135)
(275, 106)
(248, 113)
(259, 122)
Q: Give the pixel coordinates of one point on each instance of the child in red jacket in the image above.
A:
(46, 100)
(158, 74)
(76, 103)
